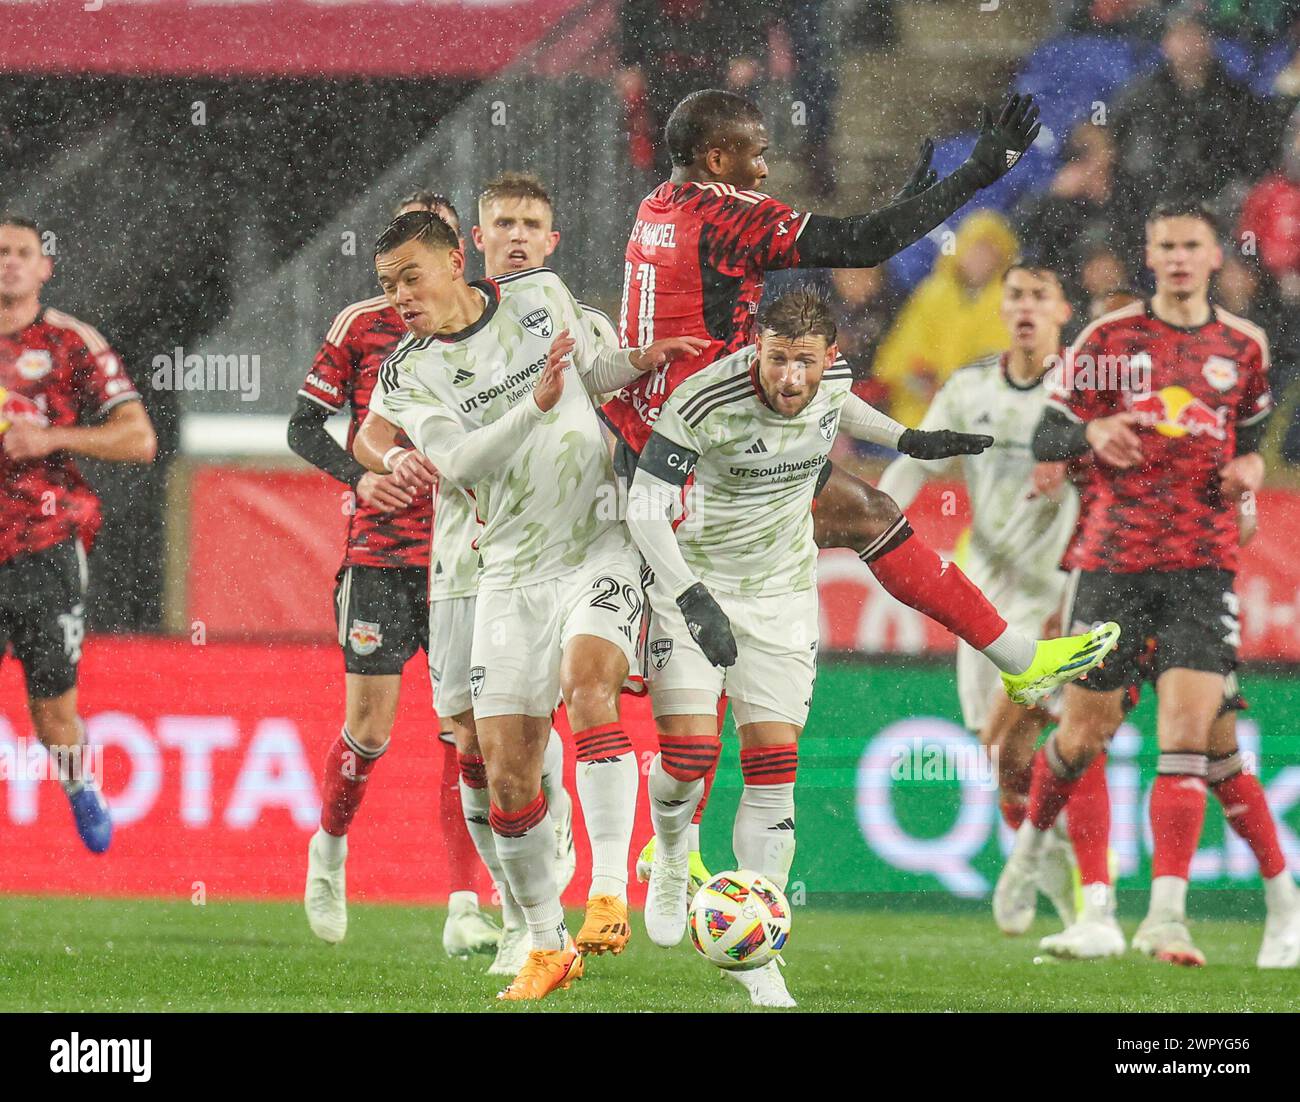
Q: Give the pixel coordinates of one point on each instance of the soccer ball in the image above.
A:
(739, 920)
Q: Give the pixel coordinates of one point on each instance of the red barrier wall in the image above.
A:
(212, 763)
(264, 546)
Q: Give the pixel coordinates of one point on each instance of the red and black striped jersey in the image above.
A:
(344, 373)
(1190, 389)
(694, 267)
(56, 371)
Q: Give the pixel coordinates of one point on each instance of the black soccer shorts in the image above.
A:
(382, 614)
(43, 616)
(1191, 615)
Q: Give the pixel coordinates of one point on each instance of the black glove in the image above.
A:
(942, 443)
(708, 625)
(1001, 144)
(923, 176)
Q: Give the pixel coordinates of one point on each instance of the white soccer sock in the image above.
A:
(672, 803)
(607, 791)
(553, 772)
(1280, 893)
(693, 837)
(528, 859)
(1012, 651)
(763, 836)
(332, 847)
(475, 805)
(1168, 899)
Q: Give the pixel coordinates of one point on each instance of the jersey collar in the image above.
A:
(1146, 305)
(492, 293)
(1003, 366)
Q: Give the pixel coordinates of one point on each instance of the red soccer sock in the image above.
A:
(1088, 823)
(347, 766)
(1013, 811)
(1246, 808)
(462, 858)
(1177, 813)
(764, 765)
(713, 769)
(1048, 792)
(912, 573)
(1015, 796)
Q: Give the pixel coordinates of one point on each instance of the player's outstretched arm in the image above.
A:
(611, 369)
(865, 240)
(126, 436)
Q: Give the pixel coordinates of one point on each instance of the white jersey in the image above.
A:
(454, 560)
(546, 504)
(1016, 541)
(747, 526)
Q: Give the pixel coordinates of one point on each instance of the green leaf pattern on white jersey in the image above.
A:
(545, 510)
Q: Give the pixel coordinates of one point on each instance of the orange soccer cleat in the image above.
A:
(544, 971)
(606, 928)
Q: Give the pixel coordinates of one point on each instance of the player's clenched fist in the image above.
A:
(708, 625)
(551, 385)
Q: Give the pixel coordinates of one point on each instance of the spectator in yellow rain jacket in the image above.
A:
(951, 318)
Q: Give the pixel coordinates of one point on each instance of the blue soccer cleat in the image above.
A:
(90, 813)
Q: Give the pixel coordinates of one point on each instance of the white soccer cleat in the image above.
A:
(1056, 873)
(1168, 941)
(326, 897)
(512, 952)
(1015, 898)
(566, 854)
(1088, 939)
(1281, 945)
(766, 985)
(467, 929)
(665, 901)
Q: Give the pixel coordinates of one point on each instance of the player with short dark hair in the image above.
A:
(1169, 396)
(56, 374)
(381, 605)
(479, 387)
(695, 263)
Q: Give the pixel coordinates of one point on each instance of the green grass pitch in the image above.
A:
(63, 954)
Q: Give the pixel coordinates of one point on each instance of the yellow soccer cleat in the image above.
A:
(606, 928)
(1057, 661)
(544, 971)
(698, 874)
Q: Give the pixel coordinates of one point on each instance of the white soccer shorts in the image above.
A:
(776, 660)
(451, 637)
(520, 634)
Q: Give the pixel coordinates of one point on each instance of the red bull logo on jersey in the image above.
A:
(1175, 411)
(18, 407)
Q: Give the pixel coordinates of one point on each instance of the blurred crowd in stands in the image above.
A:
(1142, 100)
